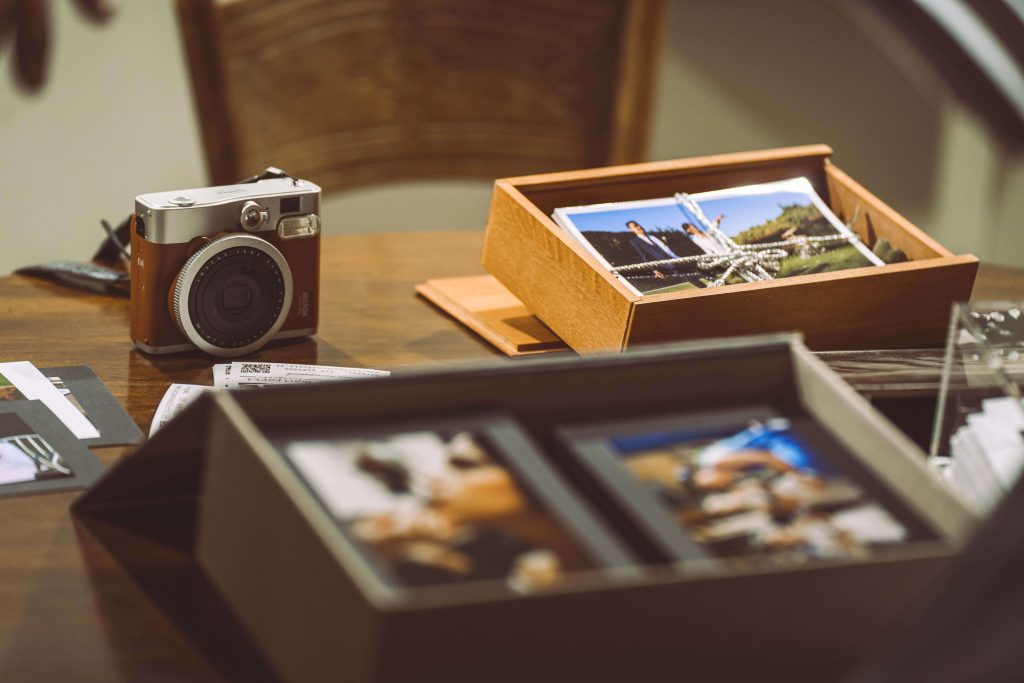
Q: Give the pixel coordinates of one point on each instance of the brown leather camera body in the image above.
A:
(156, 267)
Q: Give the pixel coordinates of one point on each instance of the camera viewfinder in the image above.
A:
(290, 204)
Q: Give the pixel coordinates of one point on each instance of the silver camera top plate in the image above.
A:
(179, 216)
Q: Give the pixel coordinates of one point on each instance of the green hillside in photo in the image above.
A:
(797, 220)
(839, 258)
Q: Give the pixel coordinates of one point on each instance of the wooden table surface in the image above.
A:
(92, 603)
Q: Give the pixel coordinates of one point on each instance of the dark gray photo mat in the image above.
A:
(115, 426)
(85, 467)
(589, 444)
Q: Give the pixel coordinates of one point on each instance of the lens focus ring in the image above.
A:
(233, 295)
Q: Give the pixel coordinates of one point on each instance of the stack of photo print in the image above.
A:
(479, 498)
(652, 245)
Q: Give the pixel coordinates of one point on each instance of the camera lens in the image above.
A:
(233, 295)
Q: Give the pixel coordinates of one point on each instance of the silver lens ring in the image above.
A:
(254, 274)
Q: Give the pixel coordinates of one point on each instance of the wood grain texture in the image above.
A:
(552, 274)
(549, 191)
(481, 303)
(643, 32)
(876, 219)
(895, 306)
(201, 37)
(889, 372)
(904, 305)
(893, 373)
(59, 582)
(997, 283)
(106, 605)
(350, 92)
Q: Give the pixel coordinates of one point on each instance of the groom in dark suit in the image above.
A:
(651, 248)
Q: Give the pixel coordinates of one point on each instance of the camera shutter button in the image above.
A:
(253, 216)
(182, 200)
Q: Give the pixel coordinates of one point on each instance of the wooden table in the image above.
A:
(92, 603)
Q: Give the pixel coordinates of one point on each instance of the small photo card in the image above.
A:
(744, 486)
(646, 231)
(26, 456)
(778, 212)
(90, 396)
(38, 453)
(468, 500)
(787, 213)
(21, 381)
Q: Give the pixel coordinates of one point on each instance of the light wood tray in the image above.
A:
(903, 305)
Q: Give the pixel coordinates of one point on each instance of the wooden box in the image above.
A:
(309, 601)
(903, 305)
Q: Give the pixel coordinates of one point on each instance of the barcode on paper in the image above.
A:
(256, 368)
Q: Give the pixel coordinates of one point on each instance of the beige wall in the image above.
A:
(115, 120)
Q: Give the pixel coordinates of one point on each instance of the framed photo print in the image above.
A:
(39, 454)
(748, 485)
(444, 502)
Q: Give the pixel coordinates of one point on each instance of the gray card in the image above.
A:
(38, 453)
(93, 398)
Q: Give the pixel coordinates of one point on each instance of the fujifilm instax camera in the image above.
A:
(225, 269)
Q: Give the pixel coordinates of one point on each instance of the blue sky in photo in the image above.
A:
(667, 217)
(750, 210)
(784, 443)
(741, 212)
(634, 443)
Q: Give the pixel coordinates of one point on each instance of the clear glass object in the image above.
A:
(977, 441)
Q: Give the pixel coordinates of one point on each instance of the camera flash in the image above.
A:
(292, 227)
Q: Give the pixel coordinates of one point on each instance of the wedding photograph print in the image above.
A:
(787, 217)
(640, 232)
(438, 507)
(779, 213)
(759, 489)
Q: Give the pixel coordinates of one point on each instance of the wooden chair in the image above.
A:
(352, 92)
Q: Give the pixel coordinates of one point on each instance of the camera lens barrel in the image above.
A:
(232, 296)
